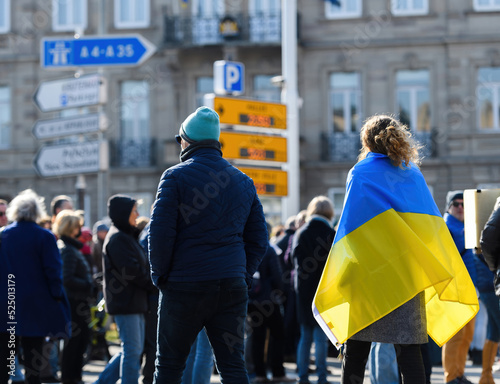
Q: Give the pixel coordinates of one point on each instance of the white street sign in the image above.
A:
(71, 93)
(72, 159)
(75, 125)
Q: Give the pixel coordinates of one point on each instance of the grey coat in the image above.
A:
(407, 324)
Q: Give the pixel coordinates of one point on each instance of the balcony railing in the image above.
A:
(240, 29)
(133, 153)
(344, 147)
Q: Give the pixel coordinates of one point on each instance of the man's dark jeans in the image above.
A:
(185, 308)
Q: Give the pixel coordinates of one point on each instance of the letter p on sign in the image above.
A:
(229, 77)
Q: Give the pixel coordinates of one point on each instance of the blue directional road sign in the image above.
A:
(96, 51)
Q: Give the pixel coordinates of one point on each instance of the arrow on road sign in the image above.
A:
(71, 159)
(97, 51)
(75, 125)
(70, 93)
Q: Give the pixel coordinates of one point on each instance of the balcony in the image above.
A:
(259, 29)
(130, 153)
(342, 147)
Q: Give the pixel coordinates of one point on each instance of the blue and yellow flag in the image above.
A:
(392, 243)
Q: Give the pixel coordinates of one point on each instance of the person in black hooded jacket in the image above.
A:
(126, 286)
(490, 239)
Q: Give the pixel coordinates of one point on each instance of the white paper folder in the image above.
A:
(478, 205)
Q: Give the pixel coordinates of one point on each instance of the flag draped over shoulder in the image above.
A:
(392, 244)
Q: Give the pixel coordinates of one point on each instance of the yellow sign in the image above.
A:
(251, 113)
(253, 146)
(268, 182)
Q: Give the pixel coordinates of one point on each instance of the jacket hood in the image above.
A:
(119, 208)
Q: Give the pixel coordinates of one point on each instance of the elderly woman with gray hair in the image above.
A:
(31, 287)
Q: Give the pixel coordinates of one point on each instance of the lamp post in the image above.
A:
(289, 96)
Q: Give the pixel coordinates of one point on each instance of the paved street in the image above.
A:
(473, 372)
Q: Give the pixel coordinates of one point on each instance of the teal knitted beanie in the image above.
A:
(203, 124)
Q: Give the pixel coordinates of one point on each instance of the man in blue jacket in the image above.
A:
(454, 352)
(207, 238)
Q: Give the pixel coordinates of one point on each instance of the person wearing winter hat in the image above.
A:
(207, 237)
(126, 286)
(454, 352)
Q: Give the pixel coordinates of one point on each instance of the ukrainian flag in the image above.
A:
(392, 244)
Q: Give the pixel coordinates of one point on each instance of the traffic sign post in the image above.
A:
(72, 159)
(71, 93)
(96, 51)
(229, 77)
(245, 146)
(250, 113)
(75, 125)
(268, 182)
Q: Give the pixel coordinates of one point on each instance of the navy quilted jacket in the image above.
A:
(207, 221)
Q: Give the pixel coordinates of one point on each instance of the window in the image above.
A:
(413, 100)
(135, 141)
(132, 13)
(410, 7)
(264, 90)
(488, 95)
(204, 85)
(487, 5)
(265, 20)
(4, 16)
(343, 9)
(205, 26)
(337, 195)
(69, 15)
(345, 102)
(135, 109)
(5, 117)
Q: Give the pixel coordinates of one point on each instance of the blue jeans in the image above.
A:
(383, 365)
(127, 363)
(185, 308)
(307, 333)
(491, 303)
(200, 361)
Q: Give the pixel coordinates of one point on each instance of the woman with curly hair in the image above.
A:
(384, 139)
(394, 274)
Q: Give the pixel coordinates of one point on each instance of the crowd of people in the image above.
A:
(206, 281)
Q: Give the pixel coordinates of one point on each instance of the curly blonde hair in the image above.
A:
(386, 135)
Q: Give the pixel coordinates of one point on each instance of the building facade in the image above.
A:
(435, 65)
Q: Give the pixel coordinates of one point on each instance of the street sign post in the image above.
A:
(71, 93)
(229, 77)
(268, 182)
(95, 51)
(251, 113)
(253, 146)
(75, 125)
(71, 159)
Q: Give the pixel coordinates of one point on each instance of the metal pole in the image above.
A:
(289, 96)
(80, 191)
(101, 175)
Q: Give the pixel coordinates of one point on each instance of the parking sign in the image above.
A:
(229, 77)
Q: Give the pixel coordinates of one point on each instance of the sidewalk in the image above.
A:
(473, 372)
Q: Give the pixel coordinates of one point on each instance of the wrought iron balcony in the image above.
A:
(344, 147)
(130, 153)
(263, 29)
